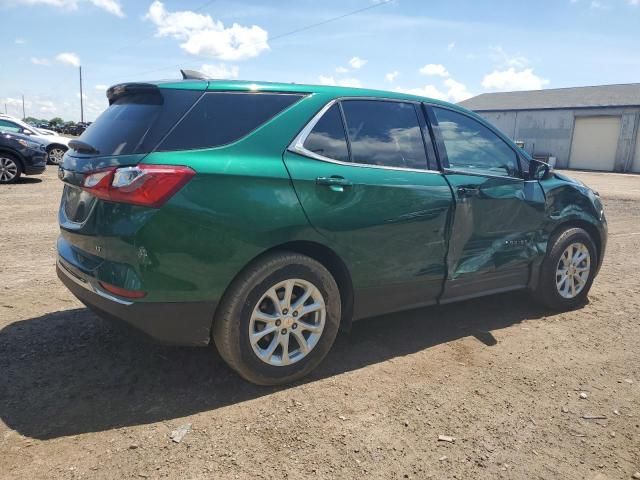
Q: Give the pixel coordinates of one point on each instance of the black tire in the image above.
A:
(52, 159)
(10, 168)
(547, 291)
(232, 322)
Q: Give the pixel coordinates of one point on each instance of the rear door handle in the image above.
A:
(336, 183)
(465, 192)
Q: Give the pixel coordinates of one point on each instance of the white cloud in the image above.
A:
(391, 76)
(505, 60)
(341, 70)
(101, 88)
(512, 79)
(68, 58)
(220, 70)
(634, 3)
(451, 46)
(434, 69)
(341, 82)
(453, 91)
(41, 61)
(357, 62)
(112, 6)
(202, 35)
(430, 91)
(19, 41)
(456, 91)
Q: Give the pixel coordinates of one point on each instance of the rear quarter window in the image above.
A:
(221, 118)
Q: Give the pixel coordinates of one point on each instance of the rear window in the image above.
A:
(136, 122)
(221, 118)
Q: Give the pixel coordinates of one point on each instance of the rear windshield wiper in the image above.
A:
(83, 147)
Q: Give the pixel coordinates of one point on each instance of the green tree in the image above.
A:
(56, 121)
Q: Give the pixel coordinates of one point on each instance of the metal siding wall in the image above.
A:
(551, 131)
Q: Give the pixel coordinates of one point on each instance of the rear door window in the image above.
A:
(221, 118)
(385, 133)
(328, 137)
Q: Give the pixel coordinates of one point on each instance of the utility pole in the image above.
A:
(81, 104)
(24, 115)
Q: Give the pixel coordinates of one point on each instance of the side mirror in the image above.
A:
(539, 170)
(26, 132)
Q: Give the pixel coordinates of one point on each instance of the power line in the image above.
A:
(298, 30)
(329, 20)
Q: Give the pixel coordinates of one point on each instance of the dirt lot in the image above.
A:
(79, 399)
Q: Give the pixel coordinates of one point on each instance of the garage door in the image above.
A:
(595, 141)
(635, 167)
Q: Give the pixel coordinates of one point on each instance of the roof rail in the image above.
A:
(192, 75)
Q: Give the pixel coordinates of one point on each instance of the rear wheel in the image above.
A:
(55, 154)
(278, 319)
(568, 270)
(10, 169)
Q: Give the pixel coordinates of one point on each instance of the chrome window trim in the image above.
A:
(297, 145)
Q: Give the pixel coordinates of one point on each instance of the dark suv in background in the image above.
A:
(20, 155)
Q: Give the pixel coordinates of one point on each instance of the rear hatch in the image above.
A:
(138, 118)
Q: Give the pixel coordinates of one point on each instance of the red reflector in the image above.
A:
(146, 185)
(122, 292)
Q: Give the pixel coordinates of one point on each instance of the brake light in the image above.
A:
(146, 185)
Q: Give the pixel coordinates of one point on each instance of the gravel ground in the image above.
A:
(504, 377)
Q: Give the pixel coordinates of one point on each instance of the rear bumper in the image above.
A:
(172, 323)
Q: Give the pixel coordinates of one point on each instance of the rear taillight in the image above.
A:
(146, 185)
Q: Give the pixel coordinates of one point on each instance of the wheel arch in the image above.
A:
(54, 144)
(588, 227)
(14, 155)
(330, 260)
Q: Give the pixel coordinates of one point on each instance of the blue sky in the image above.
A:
(446, 49)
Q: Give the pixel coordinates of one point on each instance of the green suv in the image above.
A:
(264, 217)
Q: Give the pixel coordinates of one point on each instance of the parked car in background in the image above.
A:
(20, 155)
(266, 216)
(55, 144)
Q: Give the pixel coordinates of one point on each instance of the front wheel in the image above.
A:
(568, 270)
(10, 169)
(278, 319)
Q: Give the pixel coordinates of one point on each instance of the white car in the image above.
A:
(55, 144)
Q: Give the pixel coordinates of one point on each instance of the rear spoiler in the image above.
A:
(122, 89)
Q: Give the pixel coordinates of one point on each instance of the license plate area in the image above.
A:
(77, 204)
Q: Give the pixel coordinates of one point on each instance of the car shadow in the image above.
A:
(69, 372)
(28, 180)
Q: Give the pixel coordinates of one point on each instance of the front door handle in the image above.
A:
(465, 192)
(335, 183)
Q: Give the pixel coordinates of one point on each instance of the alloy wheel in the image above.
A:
(8, 169)
(55, 155)
(287, 322)
(573, 270)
